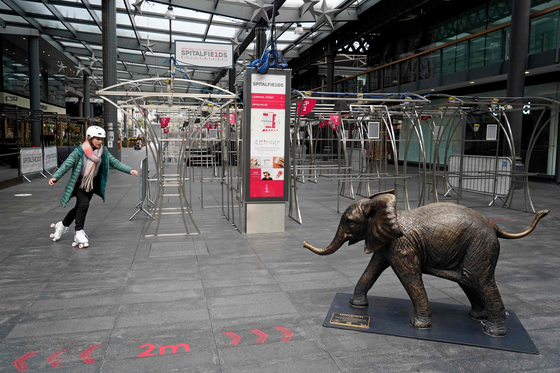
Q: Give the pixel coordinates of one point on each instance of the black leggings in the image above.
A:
(79, 211)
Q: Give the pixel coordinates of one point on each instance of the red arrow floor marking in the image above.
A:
(287, 333)
(262, 336)
(86, 355)
(21, 363)
(54, 358)
(234, 338)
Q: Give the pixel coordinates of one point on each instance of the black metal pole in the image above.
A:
(231, 80)
(330, 54)
(34, 88)
(109, 23)
(86, 101)
(260, 42)
(519, 47)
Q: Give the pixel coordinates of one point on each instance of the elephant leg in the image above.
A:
(495, 324)
(477, 312)
(414, 286)
(377, 264)
(408, 269)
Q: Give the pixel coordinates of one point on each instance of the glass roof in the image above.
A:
(194, 22)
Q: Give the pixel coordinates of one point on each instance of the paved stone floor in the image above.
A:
(228, 302)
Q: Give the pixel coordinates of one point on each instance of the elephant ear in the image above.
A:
(381, 210)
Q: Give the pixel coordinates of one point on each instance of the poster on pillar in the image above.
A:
(267, 146)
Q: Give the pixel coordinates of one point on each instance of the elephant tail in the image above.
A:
(540, 215)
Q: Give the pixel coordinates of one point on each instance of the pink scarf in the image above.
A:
(93, 161)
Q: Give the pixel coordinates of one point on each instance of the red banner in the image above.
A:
(335, 119)
(307, 106)
(231, 117)
(164, 121)
(208, 126)
(323, 123)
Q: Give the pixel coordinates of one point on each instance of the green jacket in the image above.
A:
(75, 161)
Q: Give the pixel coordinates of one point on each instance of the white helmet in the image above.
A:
(95, 131)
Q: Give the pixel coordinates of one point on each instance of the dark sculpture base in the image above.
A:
(450, 323)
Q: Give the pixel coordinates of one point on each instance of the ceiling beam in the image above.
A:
(66, 24)
(19, 10)
(92, 14)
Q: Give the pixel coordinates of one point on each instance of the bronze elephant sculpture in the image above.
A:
(446, 240)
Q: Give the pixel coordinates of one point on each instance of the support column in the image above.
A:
(231, 80)
(260, 38)
(34, 88)
(86, 102)
(109, 23)
(330, 54)
(125, 125)
(81, 107)
(519, 47)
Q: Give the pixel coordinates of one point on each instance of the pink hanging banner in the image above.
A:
(323, 123)
(308, 105)
(335, 119)
(166, 130)
(231, 117)
(208, 126)
(164, 121)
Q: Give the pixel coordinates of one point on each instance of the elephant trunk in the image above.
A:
(336, 243)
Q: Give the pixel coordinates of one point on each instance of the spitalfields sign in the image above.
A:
(216, 55)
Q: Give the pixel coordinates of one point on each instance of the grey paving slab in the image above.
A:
(152, 286)
(57, 304)
(82, 325)
(198, 316)
(162, 296)
(241, 290)
(265, 357)
(69, 314)
(203, 362)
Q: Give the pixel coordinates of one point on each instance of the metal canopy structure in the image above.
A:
(71, 32)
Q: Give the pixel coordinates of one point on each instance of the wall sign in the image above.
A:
(190, 53)
(267, 146)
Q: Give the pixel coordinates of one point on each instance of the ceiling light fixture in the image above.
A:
(299, 30)
(170, 14)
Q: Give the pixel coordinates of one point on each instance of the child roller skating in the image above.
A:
(90, 170)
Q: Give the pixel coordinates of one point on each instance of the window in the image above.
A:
(543, 33)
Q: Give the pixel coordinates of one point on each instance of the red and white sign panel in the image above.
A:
(164, 121)
(305, 107)
(268, 118)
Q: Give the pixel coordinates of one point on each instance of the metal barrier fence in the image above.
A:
(480, 174)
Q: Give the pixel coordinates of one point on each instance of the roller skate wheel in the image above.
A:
(52, 235)
(74, 244)
(81, 246)
(53, 225)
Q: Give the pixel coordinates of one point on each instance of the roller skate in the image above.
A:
(59, 230)
(80, 239)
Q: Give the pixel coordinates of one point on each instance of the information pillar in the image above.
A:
(266, 150)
